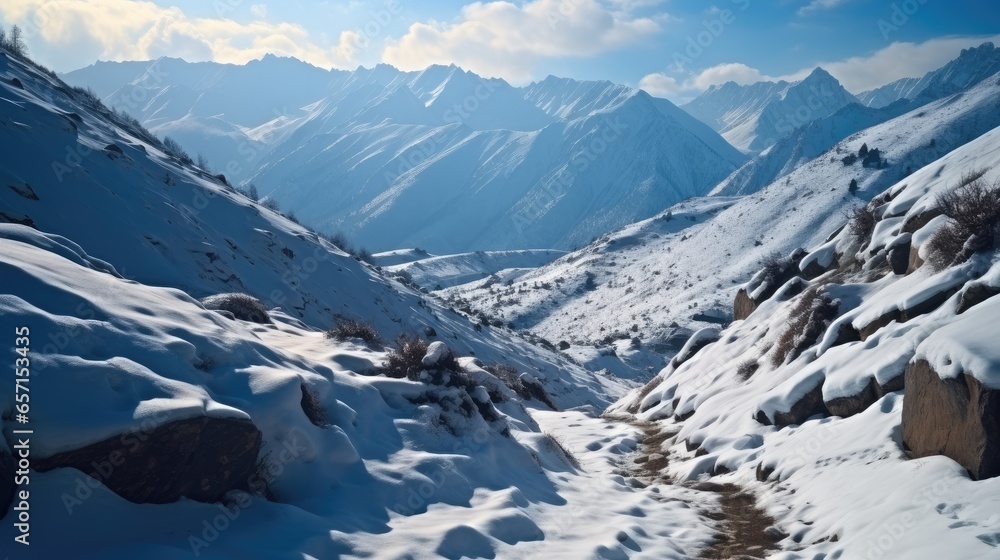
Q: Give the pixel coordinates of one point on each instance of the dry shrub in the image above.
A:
(352, 328)
(861, 223)
(244, 307)
(974, 209)
(313, 408)
(406, 359)
(807, 321)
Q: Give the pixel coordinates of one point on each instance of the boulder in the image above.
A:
(811, 404)
(197, 458)
(957, 417)
(899, 257)
(437, 354)
(975, 294)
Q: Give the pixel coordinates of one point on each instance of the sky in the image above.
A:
(671, 48)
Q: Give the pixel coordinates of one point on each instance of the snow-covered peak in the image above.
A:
(755, 116)
(972, 66)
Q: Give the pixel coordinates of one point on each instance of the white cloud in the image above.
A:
(504, 39)
(820, 5)
(661, 85)
(140, 30)
(898, 60)
(857, 74)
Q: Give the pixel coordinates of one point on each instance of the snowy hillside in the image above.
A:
(860, 406)
(754, 117)
(909, 134)
(658, 281)
(441, 158)
(971, 67)
(165, 224)
(435, 273)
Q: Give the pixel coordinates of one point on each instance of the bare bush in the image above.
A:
(313, 408)
(406, 359)
(807, 321)
(861, 223)
(974, 209)
(526, 390)
(353, 328)
(244, 307)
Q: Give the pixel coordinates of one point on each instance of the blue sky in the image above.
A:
(672, 48)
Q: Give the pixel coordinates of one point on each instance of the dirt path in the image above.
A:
(745, 530)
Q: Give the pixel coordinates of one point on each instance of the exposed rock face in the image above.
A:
(958, 418)
(743, 306)
(899, 258)
(198, 458)
(975, 294)
(808, 406)
(929, 304)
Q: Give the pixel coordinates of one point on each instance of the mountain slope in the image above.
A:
(968, 69)
(828, 429)
(442, 158)
(660, 280)
(161, 223)
(756, 116)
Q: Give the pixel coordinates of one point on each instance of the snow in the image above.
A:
(753, 117)
(967, 346)
(445, 271)
(440, 159)
(848, 478)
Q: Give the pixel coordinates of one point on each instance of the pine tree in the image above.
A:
(853, 188)
(863, 151)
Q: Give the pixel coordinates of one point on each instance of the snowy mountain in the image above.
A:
(753, 117)
(438, 272)
(660, 280)
(921, 129)
(167, 426)
(857, 391)
(971, 67)
(441, 158)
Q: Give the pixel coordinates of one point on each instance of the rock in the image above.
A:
(429, 332)
(114, 148)
(808, 406)
(975, 294)
(563, 345)
(849, 406)
(437, 353)
(814, 269)
(915, 260)
(764, 473)
(899, 257)
(743, 306)
(925, 306)
(198, 458)
(243, 306)
(7, 487)
(958, 418)
(913, 224)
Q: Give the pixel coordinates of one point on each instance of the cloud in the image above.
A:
(661, 85)
(856, 74)
(508, 40)
(141, 30)
(819, 6)
(898, 60)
